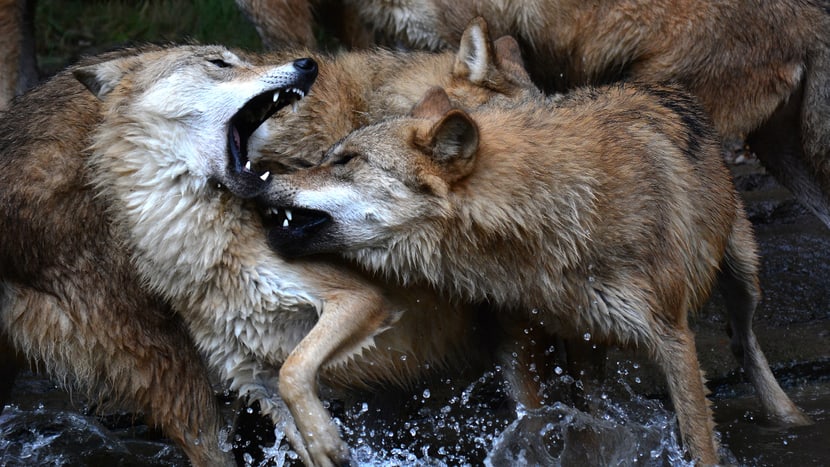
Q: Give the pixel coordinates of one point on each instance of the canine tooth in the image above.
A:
(288, 214)
(265, 175)
(248, 165)
(294, 106)
(285, 223)
(276, 96)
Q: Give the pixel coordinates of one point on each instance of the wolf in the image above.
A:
(72, 301)
(358, 88)
(180, 196)
(761, 69)
(609, 208)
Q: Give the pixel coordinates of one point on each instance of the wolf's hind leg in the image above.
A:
(676, 354)
(738, 284)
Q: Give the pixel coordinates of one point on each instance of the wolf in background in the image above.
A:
(610, 209)
(761, 69)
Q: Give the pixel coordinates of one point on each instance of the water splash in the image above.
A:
(477, 425)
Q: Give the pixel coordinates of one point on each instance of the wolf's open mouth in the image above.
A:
(290, 224)
(253, 114)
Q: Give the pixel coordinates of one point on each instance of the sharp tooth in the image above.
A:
(294, 106)
(288, 214)
(265, 175)
(285, 223)
(276, 96)
(248, 165)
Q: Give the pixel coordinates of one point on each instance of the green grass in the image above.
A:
(67, 29)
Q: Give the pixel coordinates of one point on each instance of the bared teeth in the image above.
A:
(280, 213)
(276, 96)
(248, 165)
(265, 175)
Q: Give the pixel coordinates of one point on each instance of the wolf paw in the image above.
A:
(326, 449)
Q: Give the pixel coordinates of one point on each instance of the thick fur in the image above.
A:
(267, 324)
(610, 211)
(71, 299)
(761, 69)
(358, 88)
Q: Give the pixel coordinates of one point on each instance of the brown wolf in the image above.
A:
(357, 88)
(264, 323)
(610, 210)
(761, 69)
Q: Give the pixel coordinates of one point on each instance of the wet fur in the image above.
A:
(610, 210)
(761, 69)
(72, 301)
(266, 324)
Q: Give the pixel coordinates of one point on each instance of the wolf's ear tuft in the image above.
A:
(474, 59)
(101, 78)
(434, 104)
(454, 139)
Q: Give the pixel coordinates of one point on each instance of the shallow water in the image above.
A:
(462, 422)
(473, 425)
(755, 442)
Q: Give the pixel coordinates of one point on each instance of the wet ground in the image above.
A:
(470, 423)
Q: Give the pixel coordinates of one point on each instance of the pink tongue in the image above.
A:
(236, 138)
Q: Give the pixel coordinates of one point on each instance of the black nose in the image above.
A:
(306, 65)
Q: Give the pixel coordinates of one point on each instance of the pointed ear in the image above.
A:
(434, 104)
(101, 78)
(475, 55)
(454, 140)
(509, 58)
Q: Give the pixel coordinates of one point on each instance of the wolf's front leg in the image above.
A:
(347, 323)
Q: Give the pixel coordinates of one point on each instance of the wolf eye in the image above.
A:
(343, 159)
(220, 63)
